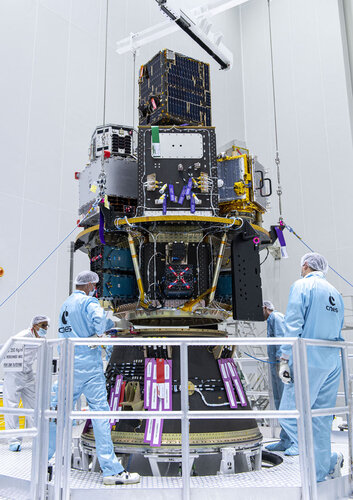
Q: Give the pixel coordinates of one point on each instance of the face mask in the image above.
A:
(41, 332)
(91, 293)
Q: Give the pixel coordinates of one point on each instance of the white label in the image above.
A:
(231, 369)
(160, 390)
(156, 429)
(230, 393)
(178, 145)
(117, 389)
(149, 430)
(148, 393)
(149, 369)
(154, 397)
(240, 392)
(166, 397)
(13, 361)
(115, 404)
(156, 150)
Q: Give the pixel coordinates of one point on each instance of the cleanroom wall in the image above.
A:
(51, 93)
(314, 131)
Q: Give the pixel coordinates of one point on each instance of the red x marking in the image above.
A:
(179, 277)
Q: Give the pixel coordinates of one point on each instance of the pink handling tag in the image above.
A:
(164, 403)
(115, 398)
(227, 381)
(232, 368)
(149, 372)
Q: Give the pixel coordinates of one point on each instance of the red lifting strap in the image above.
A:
(160, 371)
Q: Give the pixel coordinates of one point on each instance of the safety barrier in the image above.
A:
(36, 413)
(65, 414)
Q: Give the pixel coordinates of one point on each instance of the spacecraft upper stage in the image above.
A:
(164, 249)
(175, 240)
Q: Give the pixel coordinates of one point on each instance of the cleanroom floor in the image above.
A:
(271, 483)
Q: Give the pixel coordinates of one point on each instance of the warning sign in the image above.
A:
(13, 361)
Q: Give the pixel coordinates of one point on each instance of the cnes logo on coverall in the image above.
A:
(67, 328)
(332, 304)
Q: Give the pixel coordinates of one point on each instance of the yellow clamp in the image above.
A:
(239, 188)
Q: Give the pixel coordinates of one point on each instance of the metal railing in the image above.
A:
(36, 413)
(65, 413)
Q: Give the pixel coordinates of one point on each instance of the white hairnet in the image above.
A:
(316, 261)
(86, 277)
(39, 319)
(269, 305)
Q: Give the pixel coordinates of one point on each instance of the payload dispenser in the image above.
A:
(176, 245)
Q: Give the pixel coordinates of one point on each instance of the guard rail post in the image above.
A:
(350, 430)
(43, 429)
(347, 383)
(68, 423)
(185, 446)
(299, 368)
(60, 419)
(37, 479)
(308, 448)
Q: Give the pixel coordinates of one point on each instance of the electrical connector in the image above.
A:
(196, 199)
(204, 182)
(159, 201)
(152, 183)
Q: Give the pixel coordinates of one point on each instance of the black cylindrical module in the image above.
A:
(206, 393)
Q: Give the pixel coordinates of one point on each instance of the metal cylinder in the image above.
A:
(218, 267)
(136, 267)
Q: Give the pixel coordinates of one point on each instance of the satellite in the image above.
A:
(175, 241)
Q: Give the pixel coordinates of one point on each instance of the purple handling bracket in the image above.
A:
(165, 404)
(149, 372)
(101, 227)
(115, 398)
(171, 192)
(227, 381)
(113, 403)
(157, 428)
(147, 396)
(282, 242)
(188, 187)
(147, 382)
(232, 368)
(192, 205)
(182, 196)
(164, 206)
(88, 424)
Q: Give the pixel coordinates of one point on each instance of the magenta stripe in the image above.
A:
(149, 379)
(237, 382)
(227, 381)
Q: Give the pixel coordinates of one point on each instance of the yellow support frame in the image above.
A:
(175, 218)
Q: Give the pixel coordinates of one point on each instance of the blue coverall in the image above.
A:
(275, 328)
(315, 310)
(82, 316)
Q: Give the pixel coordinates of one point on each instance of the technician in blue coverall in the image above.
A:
(275, 328)
(315, 310)
(82, 316)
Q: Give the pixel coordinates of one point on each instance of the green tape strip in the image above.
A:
(155, 134)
